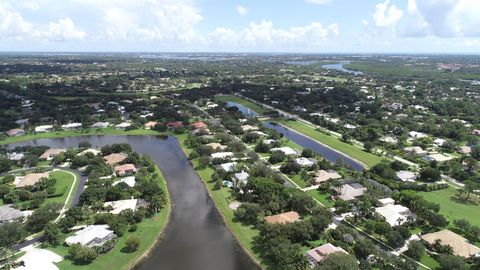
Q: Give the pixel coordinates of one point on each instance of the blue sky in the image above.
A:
(306, 26)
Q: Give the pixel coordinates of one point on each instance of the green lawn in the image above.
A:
(64, 183)
(322, 196)
(353, 151)
(451, 208)
(72, 133)
(429, 261)
(255, 107)
(148, 230)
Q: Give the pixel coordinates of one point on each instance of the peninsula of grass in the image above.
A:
(452, 207)
(74, 133)
(252, 106)
(350, 150)
(149, 231)
(63, 185)
(222, 198)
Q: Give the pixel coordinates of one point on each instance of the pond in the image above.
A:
(243, 109)
(196, 237)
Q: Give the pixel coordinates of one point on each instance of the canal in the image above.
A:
(304, 141)
(196, 237)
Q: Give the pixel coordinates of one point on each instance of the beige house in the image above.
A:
(114, 158)
(51, 153)
(323, 176)
(317, 255)
(29, 179)
(283, 218)
(125, 169)
(461, 247)
(350, 192)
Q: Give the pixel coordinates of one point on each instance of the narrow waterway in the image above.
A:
(196, 237)
(302, 140)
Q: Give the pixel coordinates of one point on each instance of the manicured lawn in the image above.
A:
(255, 107)
(72, 133)
(148, 230)
(322, 196)
(451, 208)
(64, 183)
(350, 150)
(429, 261)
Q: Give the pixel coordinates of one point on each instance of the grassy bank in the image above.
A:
(149, 231)
(73, 133)
(255, 107)
(453, 208)
(222, 199)
(64, 183)
(353, 151)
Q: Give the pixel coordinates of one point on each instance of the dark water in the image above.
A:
(321, 149)
(244, 110)
(196, 238)
(340, 67)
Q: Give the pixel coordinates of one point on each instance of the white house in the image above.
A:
(100, 125)
(130, 181)
(304, 162)
(241, 177)
(437, 157)
(91, 236)
(44, 128)
(120, 205)
(222, 155)
(72, 126)
(228, 167)
(406, 176)
(417, 135)
(286, 150)
(394, 214)
(123, 125)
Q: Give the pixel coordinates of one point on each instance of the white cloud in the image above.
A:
(63, 30)
(386, 15)
(264, 35)
(319, 2)
(12, 24)
(242, 10)
(31, 5)
(443, 18)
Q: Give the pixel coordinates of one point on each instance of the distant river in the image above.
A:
(339, 67)
(196, 237)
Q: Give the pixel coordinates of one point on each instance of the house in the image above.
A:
(120, 205)
(100, 125)
(216, 146)
(90, 150)
(386, 201)
(241, 177)
(174, 125)
(15, 156)
(222, 155)
(9, 214)
(49, 154)
(461, 247)
(114, 158)
(323, 176)
(415, 150)
(150, 124)
(439, 142)
(72, 126)
(406, 176)
(15, 132)
(228, 167)
(198, 125)
(125, 169)
(465, 150)
(249, 128)
(286, 150)
(283, 218)
(123, 125)
(437, 157)
(130, 181)
(350, 192)
(389, 139)
(269, 141)
(394, 214)
(91, 236)
(305, 162)
(417, 135)
(29, 179)
(22, 122)
(317, 255)
(44, 128)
